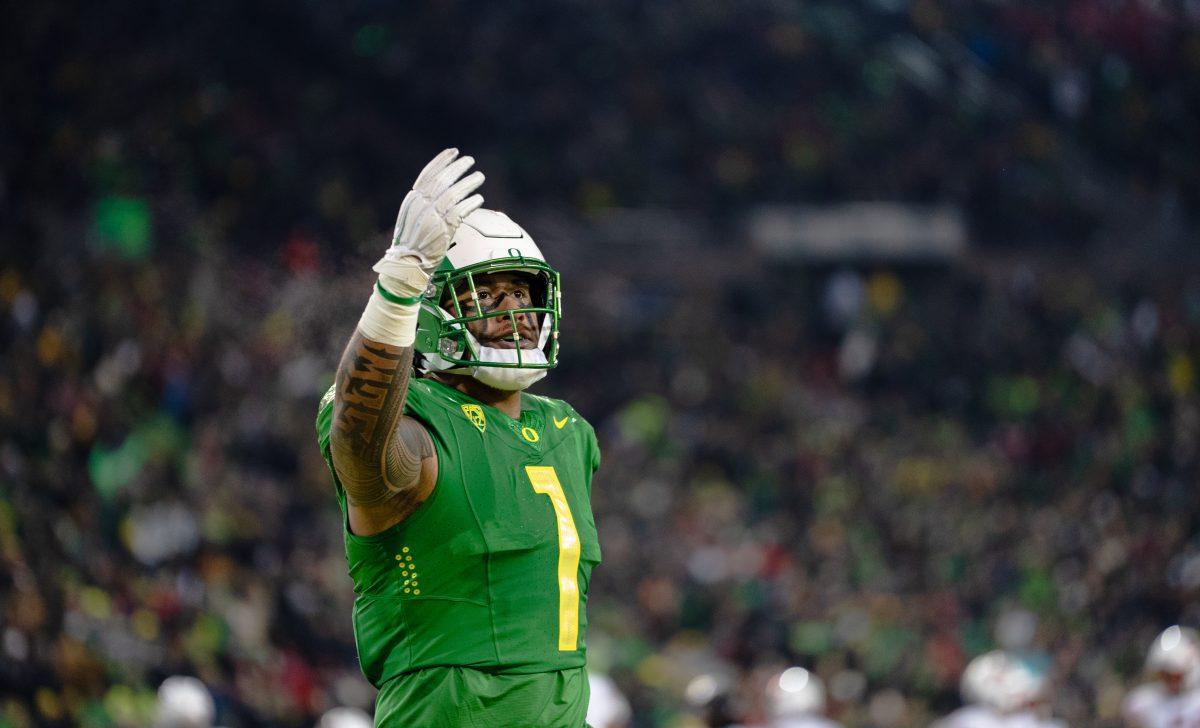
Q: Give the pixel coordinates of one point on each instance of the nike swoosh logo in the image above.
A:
(559, 423)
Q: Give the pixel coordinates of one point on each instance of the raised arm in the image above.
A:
(383, 459)
(379, 454)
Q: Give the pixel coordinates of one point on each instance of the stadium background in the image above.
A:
(875, 465)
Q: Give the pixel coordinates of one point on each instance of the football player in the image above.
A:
(978, 688)
(796, 699)
(1171, 698)
(1001, 690)
(468, 528)
(1023, 696)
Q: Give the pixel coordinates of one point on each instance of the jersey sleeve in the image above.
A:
(324, 425)
(324, 420)
(422, 404)
(418, 404)
(418, 400)
(591, 444)
(594, 448)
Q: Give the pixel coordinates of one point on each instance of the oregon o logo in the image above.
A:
(530, 434)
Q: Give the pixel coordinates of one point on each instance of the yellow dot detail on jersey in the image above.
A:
(530, 434)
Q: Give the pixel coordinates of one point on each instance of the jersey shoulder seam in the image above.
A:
(554, 405)
(429, 394)
(543, 400)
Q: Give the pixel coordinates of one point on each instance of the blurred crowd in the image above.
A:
(1044, 120)
(877, 473)
(885, 474)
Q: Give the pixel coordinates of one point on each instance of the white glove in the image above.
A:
(429, 217)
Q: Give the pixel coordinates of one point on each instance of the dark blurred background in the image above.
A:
(887, 313)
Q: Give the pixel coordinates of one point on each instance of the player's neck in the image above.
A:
(507, 402)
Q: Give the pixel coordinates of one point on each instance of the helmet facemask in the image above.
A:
(447, 344)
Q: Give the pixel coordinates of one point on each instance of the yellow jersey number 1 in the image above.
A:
(545, 480)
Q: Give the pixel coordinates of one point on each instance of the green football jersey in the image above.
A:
(491, 571)
(462, 697)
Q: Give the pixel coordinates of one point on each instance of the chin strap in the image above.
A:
(508, 378)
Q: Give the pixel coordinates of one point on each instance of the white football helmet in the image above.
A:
(1002, 681)
(1023, 686)
(184, 702)
(978, 681)
(607, 706)
(344, 718)
(488, 242)
(1176, 652)
(795, 693)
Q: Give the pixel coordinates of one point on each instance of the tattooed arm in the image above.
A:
(384, 460)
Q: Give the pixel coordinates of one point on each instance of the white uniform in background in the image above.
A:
(607, 707)
(1029, 719)
(1139, 703)
(980, 685)
(1152, 706)
(345, 717)
(1025, 702)
(809, 722)
(977, 716)
(970, 716)
(1174, 657)
(184, 702)
(1000, 690)
(796, 699)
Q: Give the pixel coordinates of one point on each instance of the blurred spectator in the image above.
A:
(1173, 697)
